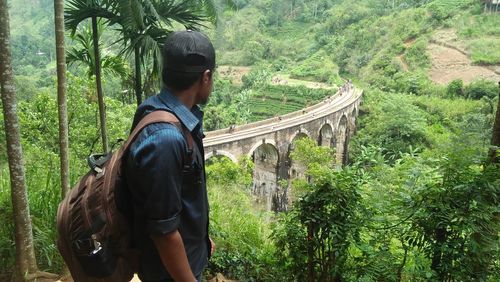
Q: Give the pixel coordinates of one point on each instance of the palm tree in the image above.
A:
(78, 11)
(145, 25)
(83, 54)
(25, 253)
(61, 95)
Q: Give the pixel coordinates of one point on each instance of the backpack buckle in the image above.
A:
(97, 245)
(99, 172)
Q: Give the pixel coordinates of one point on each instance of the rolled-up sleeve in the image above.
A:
(159, 162)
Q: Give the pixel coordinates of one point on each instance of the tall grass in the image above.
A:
(485, 51)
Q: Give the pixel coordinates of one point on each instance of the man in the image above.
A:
(166, 179)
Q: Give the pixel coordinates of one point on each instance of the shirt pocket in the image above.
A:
(192, 180)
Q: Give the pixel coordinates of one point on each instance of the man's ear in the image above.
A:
(207, 75)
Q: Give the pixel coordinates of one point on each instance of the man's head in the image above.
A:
(189, 62)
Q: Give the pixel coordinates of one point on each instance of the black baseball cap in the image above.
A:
(189, 52)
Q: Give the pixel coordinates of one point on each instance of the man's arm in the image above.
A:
(173, 256)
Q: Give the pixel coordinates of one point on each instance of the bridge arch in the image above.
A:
(265, 157)
(325, 135)
(296, 170)
(221, 153)
(302, 132)
(261, 142)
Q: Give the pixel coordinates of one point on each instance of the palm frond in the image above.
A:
(115, 65)
(212, 10)
(77, 11)
(131, 14)
(150, 10)
(137, 13)
(184, 13)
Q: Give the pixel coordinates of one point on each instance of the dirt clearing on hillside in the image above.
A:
(450, 60)
(449, 64)
(233, 73)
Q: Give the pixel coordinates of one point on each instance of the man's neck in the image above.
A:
(187, 97)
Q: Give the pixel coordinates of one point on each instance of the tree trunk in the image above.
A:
(61, 95)
(100, 95)
(25, 253)
(138, 78)
(495, 139)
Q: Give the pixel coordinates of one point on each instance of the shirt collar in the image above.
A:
(189, 118)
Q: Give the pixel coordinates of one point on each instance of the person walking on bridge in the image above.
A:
(165, 169)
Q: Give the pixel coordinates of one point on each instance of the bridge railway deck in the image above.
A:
(326, 107)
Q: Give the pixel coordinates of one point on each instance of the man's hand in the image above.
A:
(212, 247)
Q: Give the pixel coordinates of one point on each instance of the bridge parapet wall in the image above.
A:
(269, 121)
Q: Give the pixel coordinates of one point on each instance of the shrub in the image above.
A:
(455, 88)
(481, 88)
(416, 56)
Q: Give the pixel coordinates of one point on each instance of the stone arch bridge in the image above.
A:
(269, 142)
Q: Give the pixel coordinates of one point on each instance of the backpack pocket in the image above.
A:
(96, 258)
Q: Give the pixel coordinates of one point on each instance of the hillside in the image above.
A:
(367, 39)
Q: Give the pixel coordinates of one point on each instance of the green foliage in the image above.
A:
(477, 26)
(289, 98)
(345, 15)
(431, 213)
(7, 245)
(394, 125)
(318, 67)
(480, 33)
(32, 33)
(454, 217)
(221, 170)
(257, 78)
(83, 54)
(228, 105)
(444, 9)
(483, 51)
(417, 159)
(481, 88)
(416, 55)
(313, 157)
(455, 89)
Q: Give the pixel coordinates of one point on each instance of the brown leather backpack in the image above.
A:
(94, 237)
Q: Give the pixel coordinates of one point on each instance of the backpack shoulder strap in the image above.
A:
(155, 117)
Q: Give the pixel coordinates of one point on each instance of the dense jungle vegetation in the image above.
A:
(418, 200)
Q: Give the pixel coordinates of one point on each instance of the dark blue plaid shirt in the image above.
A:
(167, 187)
